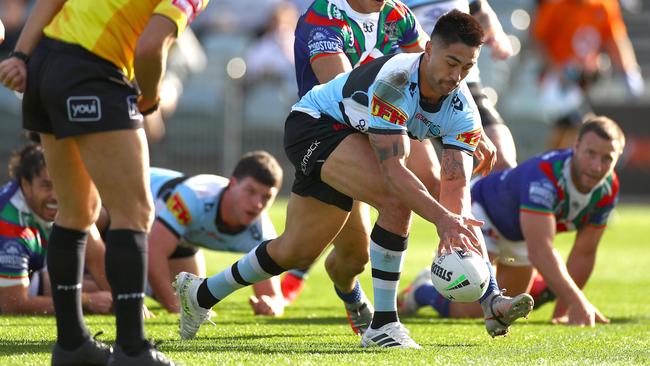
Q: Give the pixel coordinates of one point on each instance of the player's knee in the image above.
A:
(137, 215)
(392, 208)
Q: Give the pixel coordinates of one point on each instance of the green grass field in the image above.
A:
(314, 330)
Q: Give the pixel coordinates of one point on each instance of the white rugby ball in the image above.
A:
(460, 276)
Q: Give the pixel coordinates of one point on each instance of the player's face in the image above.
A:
(367, 6)
(40, 196)
(250, 198)
(593, 159)
(447, 66)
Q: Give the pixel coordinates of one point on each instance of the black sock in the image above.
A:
(204, 297)
(65, 263)
(381, 318)
(126, 269)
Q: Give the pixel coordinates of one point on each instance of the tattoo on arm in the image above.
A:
(452, 165)
(383, 151)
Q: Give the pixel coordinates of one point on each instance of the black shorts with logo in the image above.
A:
(489, 114)
(308, 141)
(71, 91)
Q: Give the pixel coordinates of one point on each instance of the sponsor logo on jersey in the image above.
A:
(322, 40)
(191, 8)
(368, 27)
(457, 103)
(11, 256)
(179, 209)
(470, 138)
(542, 192)
(84, 109)
(412, 88)
(387, 111)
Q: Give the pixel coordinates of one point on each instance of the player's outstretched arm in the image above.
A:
(539, 231)
(580, 264)
(268, 299)
(391, 151)
(94, 260)
(162, 243)
(13, 71)
(151, 58)
(455, 173)
(495, 37)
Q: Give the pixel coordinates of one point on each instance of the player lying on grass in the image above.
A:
(27, 209)
(523, 210)
(216, 213)
(349, 139)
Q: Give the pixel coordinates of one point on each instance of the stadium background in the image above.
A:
(223, 112)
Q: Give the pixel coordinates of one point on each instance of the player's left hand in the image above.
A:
(486, 153)
(267, 305)
(500, 45)
(13, 74)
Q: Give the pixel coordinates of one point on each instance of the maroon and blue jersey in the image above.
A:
(23, 238)
(543, 185)
(332, 26)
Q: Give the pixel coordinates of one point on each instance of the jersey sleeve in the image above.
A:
(412, 32)
(14, 263)
(537, 193)
(321, 39)
(388, 107)
(179, 211)
(464, 130)
(181, 12)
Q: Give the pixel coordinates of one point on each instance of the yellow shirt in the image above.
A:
(110, 28)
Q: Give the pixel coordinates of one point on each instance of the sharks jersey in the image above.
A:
(332, 26)
(189, 209)
(383, 97)
(543, 185)
(23, 238)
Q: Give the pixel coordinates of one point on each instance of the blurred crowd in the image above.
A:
(560, 68)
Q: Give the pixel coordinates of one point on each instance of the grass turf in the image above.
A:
(314, 330)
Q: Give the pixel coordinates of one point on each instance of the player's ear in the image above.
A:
(233, 182)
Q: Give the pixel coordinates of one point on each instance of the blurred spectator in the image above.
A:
(271, 56)
(571, 34)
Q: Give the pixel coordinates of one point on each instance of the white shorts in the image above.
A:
(511, 253)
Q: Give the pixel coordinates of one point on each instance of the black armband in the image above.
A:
(475, 6)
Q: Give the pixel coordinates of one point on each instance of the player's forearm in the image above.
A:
(550, 264)
(580, 267)
(35, 305)
(269, 287)
(41, 15)
(149, 69)
(159, 280)
(95, 264)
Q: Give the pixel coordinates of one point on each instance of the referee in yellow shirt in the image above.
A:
(89, 71)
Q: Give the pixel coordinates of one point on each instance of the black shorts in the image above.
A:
(308, 142)
(184, 251)
(71, 91)
(489, 114)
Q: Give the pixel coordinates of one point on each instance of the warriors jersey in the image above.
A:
(383, 97)
(429, 11)
(111, 28)
(190, 209)
(543, 185)
(23, 238)
(332, 26)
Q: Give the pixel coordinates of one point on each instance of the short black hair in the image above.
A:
(27, 162)
(261, 166)
(604, 127)
(456, 26)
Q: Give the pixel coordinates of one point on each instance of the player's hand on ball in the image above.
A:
(454, 233)
(267, 305)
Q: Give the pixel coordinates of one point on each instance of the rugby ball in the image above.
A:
(460, 276)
